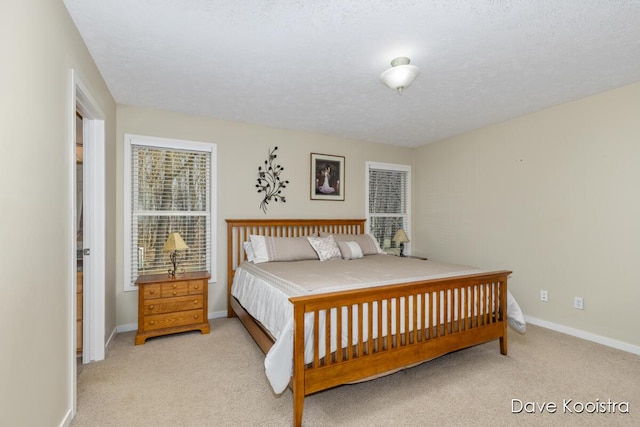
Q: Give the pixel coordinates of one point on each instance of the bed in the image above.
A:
(343, 335)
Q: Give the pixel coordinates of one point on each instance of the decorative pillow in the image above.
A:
(248, 250)
(266, 249)
(350, 250)
(326, 247)
(367, 242)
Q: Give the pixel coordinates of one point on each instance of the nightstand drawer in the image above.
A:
(166, 305)
(79, 335)
(195, 287)
(79, 306)
(175, 289)
(161, 321)
(152, 291)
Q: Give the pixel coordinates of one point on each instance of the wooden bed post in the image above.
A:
(503, 314)
(298, 364)
(230, 267)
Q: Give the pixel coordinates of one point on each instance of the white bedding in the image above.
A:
(265, 296)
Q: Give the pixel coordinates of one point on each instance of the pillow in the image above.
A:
(267, 249)
(367, 242)
(248, 250)
(350, 250)
(326, 247)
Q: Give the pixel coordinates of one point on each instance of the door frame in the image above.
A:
(94, 193)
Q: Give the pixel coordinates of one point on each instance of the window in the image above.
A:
(388, 209)
(169, 187)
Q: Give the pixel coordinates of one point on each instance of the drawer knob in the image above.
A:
(175, 292)
(175, 286)
(153, 322)
(196, 287)
(152, 291)
(195, 301)
(195, 316)
(151, 307)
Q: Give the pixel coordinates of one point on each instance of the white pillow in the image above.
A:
(350, 250)
(248, 250)
(325, 247)
(259, 246)
(367, 242)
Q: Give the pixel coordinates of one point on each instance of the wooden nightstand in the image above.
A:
(167, 306)
(416, 257)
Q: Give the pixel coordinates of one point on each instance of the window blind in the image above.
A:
(170, 192)
(388, 203)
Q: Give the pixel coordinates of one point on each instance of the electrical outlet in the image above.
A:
(578, 303)
(544, 296)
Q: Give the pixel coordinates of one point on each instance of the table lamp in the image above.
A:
(401, 237)
(174, 244)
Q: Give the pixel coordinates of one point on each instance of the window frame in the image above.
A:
(408, 195)
(171, 144)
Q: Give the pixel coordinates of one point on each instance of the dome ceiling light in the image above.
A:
(400, 75)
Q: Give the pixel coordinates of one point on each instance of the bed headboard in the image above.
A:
(238, 231)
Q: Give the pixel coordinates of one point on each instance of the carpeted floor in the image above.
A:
(218, 380)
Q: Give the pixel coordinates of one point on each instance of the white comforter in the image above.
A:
(264, 294)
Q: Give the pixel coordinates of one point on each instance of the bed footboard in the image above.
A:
(390, 327)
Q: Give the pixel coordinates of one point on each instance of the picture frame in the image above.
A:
(327, 177)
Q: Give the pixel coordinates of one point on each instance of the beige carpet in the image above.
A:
(218, 380)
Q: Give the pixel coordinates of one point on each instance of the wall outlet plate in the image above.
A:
(544, 296)
(578, 303)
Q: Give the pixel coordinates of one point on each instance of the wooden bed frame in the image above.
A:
(481, 315)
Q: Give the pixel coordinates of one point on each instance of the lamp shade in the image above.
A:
(400, 75)
(174, 243)
(401, 236)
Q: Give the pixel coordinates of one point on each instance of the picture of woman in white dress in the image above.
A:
(327, 177)
(325, 188)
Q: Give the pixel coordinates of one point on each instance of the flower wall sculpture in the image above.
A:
(269, 181)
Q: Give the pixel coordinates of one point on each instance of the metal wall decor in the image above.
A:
(269, 181)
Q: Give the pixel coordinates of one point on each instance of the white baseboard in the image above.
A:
(127, 328)
(609, 342)
(66, 421)
(218, 314)
(134, 326)
(113, 334)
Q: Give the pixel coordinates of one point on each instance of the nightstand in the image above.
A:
(170, 305)
(416, 257)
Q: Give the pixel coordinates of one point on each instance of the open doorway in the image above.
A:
(79, 240)
(88, 217)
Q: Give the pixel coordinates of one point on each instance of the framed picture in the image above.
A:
(327, 177)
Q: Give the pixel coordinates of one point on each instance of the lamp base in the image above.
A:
(402, 250)
(174, 262)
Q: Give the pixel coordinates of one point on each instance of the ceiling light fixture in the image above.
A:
(400, 75)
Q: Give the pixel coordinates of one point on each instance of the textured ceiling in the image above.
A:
(315, 65)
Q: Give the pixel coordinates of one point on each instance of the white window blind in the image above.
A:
(170, 191)
(388, 202)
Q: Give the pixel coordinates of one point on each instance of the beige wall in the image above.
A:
(38, 46)
(552, 196)
(241, 149)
